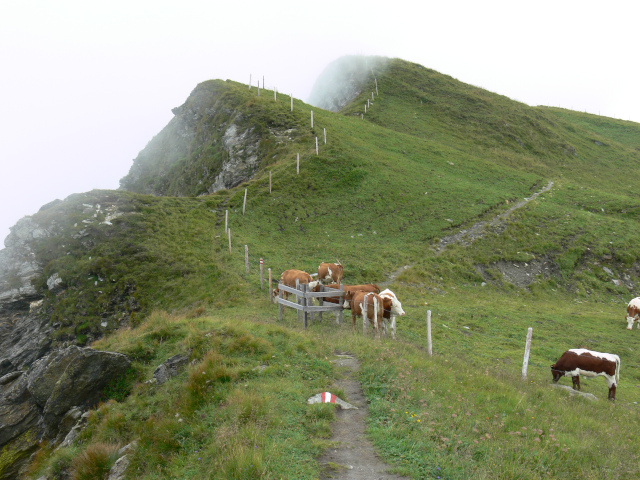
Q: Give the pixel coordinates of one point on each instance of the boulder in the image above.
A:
(170, 368)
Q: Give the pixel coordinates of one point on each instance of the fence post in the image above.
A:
(280, 305)
(229, 241)
(269, 181)
(246, 258)
(305, 314)
(375, 80)
(339, 317)
(429, 345)
(226, 220)
(261, 274)
(364, 316)
(325, 136)
(244, 204)
(270, 291)
(527, 349)
(316, 145)
(298, 297)
(298, 163)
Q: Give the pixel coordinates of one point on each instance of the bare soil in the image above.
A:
(352, 456)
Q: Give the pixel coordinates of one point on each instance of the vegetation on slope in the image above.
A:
(432, 156)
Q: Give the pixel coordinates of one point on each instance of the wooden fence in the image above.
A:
(304, 301)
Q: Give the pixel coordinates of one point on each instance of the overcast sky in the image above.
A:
(85, 85)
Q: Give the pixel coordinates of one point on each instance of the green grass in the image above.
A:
(432, 156)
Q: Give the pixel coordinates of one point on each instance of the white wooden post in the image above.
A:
(244, 204)
(375, 80)
(269, 181)
(316, 145)
(311, 118)
(372, 98)
(368, 102)
(270, 291)
(325, 135)
(261, 274)
(365, 313)
(429, 345)
(246, 258)
(229, 241)
(527, 349)
(305, 314)
(298, 297)
(226, 220)
(298, 163)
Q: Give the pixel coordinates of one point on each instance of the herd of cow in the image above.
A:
(380, 307)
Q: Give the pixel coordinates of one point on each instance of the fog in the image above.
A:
(85, 86)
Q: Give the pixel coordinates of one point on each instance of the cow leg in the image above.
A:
(612, 392)
(576, 382)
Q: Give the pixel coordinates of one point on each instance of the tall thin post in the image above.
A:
(365, 106)
(316, 145)
(325, 135)
(375, 80)
(311, 118)
(429, 345)
(372, 98)
(229, 241)
(226, 220)
(298, 297)
(246, 258)
(244, 204)
(305, 314)
(269, 181)
(270, 291)
(261, 274)
(527, 349)
(298, 163)
(280, 305)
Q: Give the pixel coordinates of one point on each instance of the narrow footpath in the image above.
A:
(352, 457)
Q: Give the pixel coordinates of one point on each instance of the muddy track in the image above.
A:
(352, 456)
(470, 235)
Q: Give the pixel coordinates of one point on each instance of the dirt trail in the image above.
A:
(468, 236)
(352, 457)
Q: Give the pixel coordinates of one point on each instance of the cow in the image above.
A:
(375, 308)
(330, 272)
(289, 278)
(392, 309)
(633, 312)
(580, 361)
(348, 289)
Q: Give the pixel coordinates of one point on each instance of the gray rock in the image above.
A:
(607, 270)
(24, 338)
(119, 468)
(170, 368)
(54, 283)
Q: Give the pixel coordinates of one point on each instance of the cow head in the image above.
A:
(630, 323)
(556, 374)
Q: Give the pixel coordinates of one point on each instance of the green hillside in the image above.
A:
(431, 157)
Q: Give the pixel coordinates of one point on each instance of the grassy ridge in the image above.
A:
(431, 157)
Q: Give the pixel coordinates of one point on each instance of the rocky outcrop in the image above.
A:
(48, 400)
(170, 368)
(18, 265)
(211, 143)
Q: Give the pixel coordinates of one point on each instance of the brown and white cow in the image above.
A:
(375, 308)
(330, 272)
(289, 278)
(391, 311)
(633, 312)
(580, 361)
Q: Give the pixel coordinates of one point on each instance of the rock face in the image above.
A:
(209, 145)
(343, 80)
(47, 401)
(18, 265)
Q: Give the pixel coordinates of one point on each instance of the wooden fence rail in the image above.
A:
(304, 302)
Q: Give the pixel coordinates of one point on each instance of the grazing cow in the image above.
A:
(392, 309)
(289, 278)
(330, 272)
(633, 312)
(348, 289)
(580, 361)
(375, 308)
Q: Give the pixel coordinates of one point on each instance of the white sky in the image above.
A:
(85, 85)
